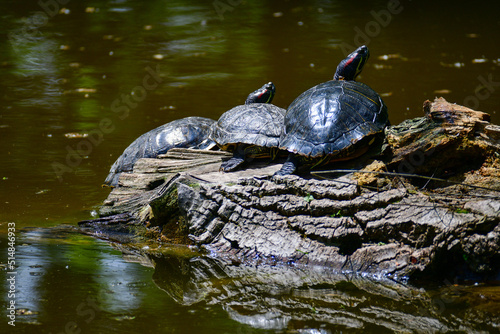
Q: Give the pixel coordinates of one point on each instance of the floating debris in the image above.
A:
(64, 11)
(382, 67)
(168, 108)
(479, 60)
(25, 311)
(278, 14)
(124, 317)
(86, 90)
(148, 27)
(472, 35)
(442, 91)
(73, 135)
(158, 56)
(64, 47)
(80, 90)
(386, 94)
(91, 10)
(456, 65)
(392, 56)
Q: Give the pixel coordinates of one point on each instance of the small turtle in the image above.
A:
(335, 120)
(251, 130)
(189, 132)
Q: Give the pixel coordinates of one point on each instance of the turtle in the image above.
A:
(251, 130)
(335, 120)
(189, 132)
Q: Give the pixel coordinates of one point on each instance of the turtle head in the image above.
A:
(350, 67)
(264, 94)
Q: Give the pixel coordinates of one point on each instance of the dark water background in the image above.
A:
(80, 81)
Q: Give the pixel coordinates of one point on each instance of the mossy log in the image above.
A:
(370, 221)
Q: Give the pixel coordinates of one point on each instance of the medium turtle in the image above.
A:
(189, 132)
(251, 130)
(335, 120)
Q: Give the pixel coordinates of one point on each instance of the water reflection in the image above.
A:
(66, 280)
(57, 268)
(280, 297)
(63, 276)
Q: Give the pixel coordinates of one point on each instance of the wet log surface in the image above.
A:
(357, 222)
(280, 297)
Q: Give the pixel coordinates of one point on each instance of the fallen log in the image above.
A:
(370, 221)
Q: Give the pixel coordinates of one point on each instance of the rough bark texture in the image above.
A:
(392, 228)
(338, 224)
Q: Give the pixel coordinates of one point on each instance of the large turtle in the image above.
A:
(189, 132)
(335, 120)
(251, 130)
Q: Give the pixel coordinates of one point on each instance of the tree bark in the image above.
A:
(361, 222)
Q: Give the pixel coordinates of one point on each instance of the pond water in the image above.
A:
(84, 79)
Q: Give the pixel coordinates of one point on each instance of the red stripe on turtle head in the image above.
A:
(351, 66)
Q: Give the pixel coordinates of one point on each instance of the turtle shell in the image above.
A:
(254, 124)
(189, 132)
(328, 119)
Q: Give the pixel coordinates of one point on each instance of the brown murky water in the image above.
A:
(81, 81)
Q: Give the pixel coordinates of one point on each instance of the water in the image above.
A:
(83, 80)
(66, 280)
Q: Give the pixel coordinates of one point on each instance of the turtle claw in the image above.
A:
(289, 167)
(231, 165)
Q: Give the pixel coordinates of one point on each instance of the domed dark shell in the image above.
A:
(332, 116)
(189, 132)
(255, 123)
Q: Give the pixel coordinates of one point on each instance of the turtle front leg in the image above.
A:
(290, 166)
(236, 161)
